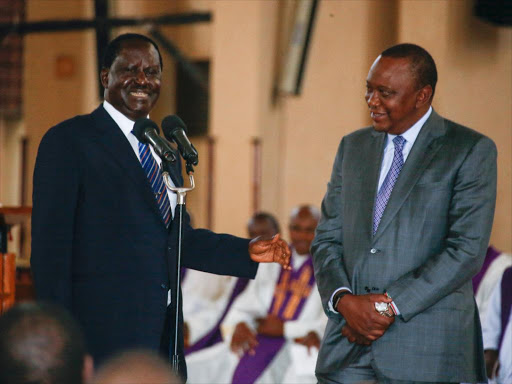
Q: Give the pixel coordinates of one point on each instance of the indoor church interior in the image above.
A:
(266, 89)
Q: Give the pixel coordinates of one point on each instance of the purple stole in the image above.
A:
(490, 256)
(291, 293)
(215, 336)
(506, 301)
(183, 274)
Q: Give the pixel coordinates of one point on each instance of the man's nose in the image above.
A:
(140, 77)
(372, 99)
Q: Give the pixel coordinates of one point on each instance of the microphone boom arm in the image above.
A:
(180, 191)
(182, 194)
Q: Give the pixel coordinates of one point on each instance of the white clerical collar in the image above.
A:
(412, 133)
(298, 259)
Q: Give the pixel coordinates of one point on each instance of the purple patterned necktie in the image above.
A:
(389, 181)
(156, 180)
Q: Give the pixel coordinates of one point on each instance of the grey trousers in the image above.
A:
(363, 371)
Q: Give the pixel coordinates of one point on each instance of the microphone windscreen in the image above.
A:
(172, 123)
(140, 127)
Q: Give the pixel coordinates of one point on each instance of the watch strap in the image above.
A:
(337, 297)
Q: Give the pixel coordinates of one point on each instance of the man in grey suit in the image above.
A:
(405, 224)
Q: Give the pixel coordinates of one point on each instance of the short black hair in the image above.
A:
(40, 343)
(264, 216)
(422, 64)
(115, 46)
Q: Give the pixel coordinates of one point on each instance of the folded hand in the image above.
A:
(243, 340)
(362, 318)
(271, 326)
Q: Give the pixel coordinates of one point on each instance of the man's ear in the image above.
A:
(104, 77)
(424, 96)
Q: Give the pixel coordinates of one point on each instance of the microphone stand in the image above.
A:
(182, 195)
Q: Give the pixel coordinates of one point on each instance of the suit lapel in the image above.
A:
(118, 149)
(370, 160)
(428, 142)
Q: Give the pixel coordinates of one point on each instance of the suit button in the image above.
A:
(165, 287)
(373, 250)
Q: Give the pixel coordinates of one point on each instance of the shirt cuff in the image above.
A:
(331, 308)
(395, 308)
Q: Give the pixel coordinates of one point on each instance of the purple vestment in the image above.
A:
(490, 256)
(291, 293)
(506, 301)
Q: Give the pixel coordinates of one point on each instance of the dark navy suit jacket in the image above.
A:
(99, 245)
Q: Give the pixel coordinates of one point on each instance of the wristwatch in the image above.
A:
(337, 297)
(384, 309)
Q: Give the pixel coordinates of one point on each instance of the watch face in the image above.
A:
(381, 307)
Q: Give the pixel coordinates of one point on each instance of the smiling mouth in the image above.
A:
(139, 94)
(377, 116)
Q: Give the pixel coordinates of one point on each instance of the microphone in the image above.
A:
(147, 132)
(175, 130)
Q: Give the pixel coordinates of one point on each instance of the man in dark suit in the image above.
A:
(405, 225)
(103, 238)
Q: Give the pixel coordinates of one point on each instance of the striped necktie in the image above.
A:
(389, 182)
(156, 181)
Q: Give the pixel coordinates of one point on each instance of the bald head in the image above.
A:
(303, 222)
(137, 366)
(305, 211)
(41, 343)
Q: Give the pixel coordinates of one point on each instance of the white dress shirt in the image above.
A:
(126, 126)
(410, 136)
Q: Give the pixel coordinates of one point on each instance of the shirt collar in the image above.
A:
(412, 133)
(121, 120)
(298, 259)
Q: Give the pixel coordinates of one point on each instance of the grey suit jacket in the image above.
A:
(430, 242)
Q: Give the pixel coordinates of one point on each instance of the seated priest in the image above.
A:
(274, 328)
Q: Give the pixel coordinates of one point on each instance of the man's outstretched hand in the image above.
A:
(274, 250)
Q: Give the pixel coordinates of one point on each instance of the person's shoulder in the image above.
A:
(73, 123)
(361, 133)
(359, 136)
(460, 133)
(70, 128)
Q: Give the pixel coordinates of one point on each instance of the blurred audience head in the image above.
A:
(41, 343)
(302, 226)
(262, 224)
(136, 366)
